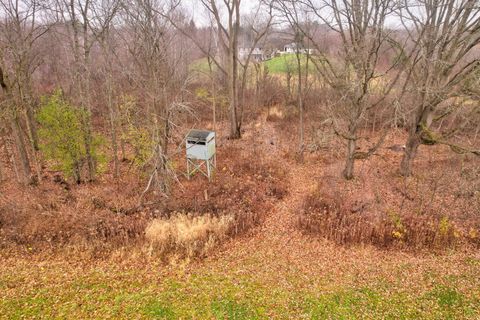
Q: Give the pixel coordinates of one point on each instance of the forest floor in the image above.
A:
(275, 271)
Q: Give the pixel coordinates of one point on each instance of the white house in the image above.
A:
(257, 54)
(292, 48)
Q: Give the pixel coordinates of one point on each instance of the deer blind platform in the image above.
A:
(200, 147)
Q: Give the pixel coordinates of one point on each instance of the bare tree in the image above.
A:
(102, 27)
(351, 73)
(228, 37)
(257, 24)
(13, 115)
(157, 57)
(444, 34)
(297, 21)
(20, 31)
(225, 21)
(76, 15)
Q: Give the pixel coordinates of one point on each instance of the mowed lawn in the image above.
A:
(287, 63)
(278, 65)
(363, 284)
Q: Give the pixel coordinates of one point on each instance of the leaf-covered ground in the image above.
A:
(273, 272)
(257, 284)
(276, 272)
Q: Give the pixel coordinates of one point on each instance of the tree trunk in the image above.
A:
(122, 148)
(26, 172)
(233, 74)
(300, 106)
(411, 147)
(27, 101)
(350, 162)
(1, 171)
(234, 124)
(164, 153)
(88, 147)
(32, 126)
(113, 129)
(214, 94)
(423, 119)
(113, 133)
(87, 119)
(7, 156)
(15, 167)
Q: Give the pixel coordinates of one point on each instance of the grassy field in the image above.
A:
(256, 286)
(201, 66)
(285, 63)
(278, 65)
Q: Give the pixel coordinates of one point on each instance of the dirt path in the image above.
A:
(279, 238)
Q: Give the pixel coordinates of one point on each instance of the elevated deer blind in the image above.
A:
(200, 148)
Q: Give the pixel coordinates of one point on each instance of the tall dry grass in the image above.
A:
(187, 235)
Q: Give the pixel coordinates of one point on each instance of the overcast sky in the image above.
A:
(198, 13)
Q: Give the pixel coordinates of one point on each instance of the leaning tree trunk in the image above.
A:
(27, 100)
(26, 172)
(32, 126)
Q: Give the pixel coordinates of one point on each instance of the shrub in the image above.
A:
(136, 132)
(142, 143)
(63, 136)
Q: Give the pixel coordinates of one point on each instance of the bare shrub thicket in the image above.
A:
(328, 218)
(435, 209)
(189, 223)
(96, 232)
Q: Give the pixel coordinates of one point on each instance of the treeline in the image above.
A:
(72, 69)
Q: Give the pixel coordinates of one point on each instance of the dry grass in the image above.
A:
(187, 235)
(280, 113)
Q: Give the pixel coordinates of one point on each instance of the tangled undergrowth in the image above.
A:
(93, 218)
(435, 209)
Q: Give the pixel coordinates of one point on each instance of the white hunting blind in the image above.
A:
(200, 147)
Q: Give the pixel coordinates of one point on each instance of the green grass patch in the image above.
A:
(201, 66)
(217, 291)
(159, 310)
(287, 63)
(228, 308)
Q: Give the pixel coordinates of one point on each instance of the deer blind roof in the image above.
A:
(198, 135)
